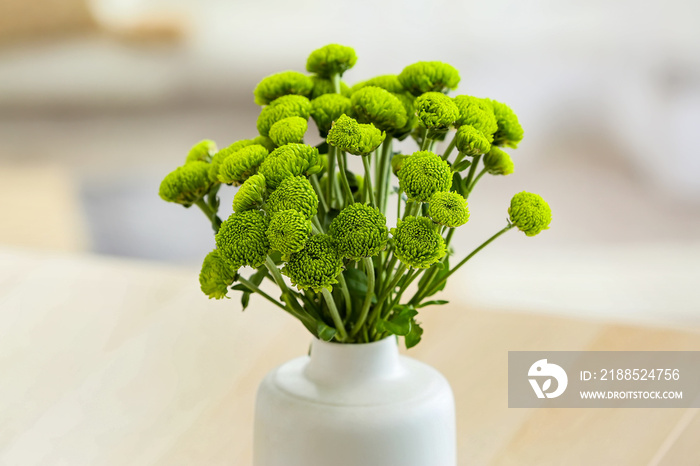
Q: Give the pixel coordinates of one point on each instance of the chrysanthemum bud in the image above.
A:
(283, 107)
(331, 59)
(316, 266)
(359, 231)
(223, 154)
(290, 129)
(388, 82)
(186, 184)
(423, 174)
(530, 213)
(477, 113)
(294, 193)
(328, 108)
(429, 76)
(242, 164)
(281, 84)
(498, 162)
(288, 231)
(448, 209)
(350, 136)
(251, 194)
(290, 160)
(383, 109)
(216, 276)
(509, 132)
(436, 111)
(242, 239)
(202, 151)
(417, 242)
(470, 141)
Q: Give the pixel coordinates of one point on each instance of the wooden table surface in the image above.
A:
(114, 362)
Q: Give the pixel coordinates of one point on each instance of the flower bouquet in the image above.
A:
(318, 230)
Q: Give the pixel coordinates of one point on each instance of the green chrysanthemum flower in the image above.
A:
(223, 154)
(359, 231)
(408, 102)
(417, 242)
(288, 232)
(242, 239)
(291, 129)
(323, 86)
(423, 174)
(470, 141)
(374, 105)
(290, 160)
(429, 76)
(186, 184)
(477, 113)
(498, 162)
(530, 213)
(397, 162)
(331, 59)
(436, 110)
(284, 107)
(202, 151)
(294, 193)
(216, 276)
(388, 82)
(316, 266)
(509, 132)
(448, 209)
(264, 141)
(281, 84)
(242, 164)
(328, 108)
(350, 136)
(251, 194)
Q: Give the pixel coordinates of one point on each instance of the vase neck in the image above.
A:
(343, 363)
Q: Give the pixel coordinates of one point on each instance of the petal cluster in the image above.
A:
(477, 113)
(281, 84)
(242, 164)
(498, 162)
(328, 108)
(288, 231)
(423, 174)
(331, 59)
(509, 132)
(436, 111)
(287, 130)
(359, 231)
(216, 276)
(429, 76)
(356, 138)
(294, 193)
(242, 239)
(417, 242)
(283, 107)
(470, 141)
(448, 209)
(530, 213)
(316, 266)
(290, 160)
(251, 194)
(186, 184)
(202, 151)
(375, 105)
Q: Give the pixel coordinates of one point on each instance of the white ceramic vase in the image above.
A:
(355, 405)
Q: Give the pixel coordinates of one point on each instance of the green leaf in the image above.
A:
(414, 336)
(399, 323)
(463, 165)
(437, 302)
(356, 280)
(456, 183)
(325, 332)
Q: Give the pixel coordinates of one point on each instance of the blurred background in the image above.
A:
(99, 99)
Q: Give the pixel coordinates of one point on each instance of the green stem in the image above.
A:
(392, 285)
(412, 209)
(344, 180)
(450, 147)
(472, 170)
(426, 141)
(294, 308)
(398, 204)
(335, 77)
(368, 180)
(383, 164)
(476, 180)
(316, 224)
(420, 294)
(411, 276)
(319, 192)
(210, 213)
(464, 261)
(346, 294)
(334, 314)
(364, 312)
(330, 184)
(252, 287)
